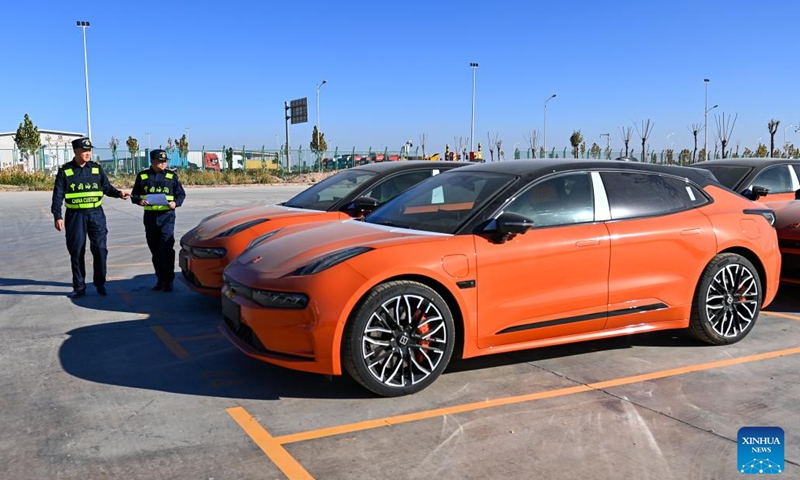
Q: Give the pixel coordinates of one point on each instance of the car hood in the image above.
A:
(216, 224)
(296, 247)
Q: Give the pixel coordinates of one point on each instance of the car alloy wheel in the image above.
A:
(727, 301)
(401, 339)
(732, 300)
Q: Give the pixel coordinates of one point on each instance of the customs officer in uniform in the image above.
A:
(159, 191)
(80, 186)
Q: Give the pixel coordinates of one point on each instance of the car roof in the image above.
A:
(746, 162)
(400, 165)
(532, 169)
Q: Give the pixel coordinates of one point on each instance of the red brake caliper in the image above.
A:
(422, 329)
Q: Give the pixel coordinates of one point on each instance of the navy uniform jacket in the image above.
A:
(61, 184)
(159, 178)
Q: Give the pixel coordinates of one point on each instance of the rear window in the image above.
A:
(639, 194)
(729, 175)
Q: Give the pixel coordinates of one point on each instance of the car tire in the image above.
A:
(399, 339)
(727, 300)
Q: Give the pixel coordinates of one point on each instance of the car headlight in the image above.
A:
(270, 299)
(330, 260)
(242, 227)
(207, 252)
(260, 239)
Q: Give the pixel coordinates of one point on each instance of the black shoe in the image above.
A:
(101, 290)
(159, 286)
(77, 293)
(168, 287)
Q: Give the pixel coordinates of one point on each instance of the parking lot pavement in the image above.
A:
(142, 385)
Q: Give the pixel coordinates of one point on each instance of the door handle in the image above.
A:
(587, 243)
(691, 231)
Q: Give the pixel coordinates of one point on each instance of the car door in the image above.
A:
(659, 245)
(551, 281)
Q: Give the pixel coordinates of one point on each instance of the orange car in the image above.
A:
(776, 183)
(218, 239)
(788, 227)
(498, 257)
(764, 179)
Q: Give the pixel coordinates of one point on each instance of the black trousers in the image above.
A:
(159, 229)
(79, 224)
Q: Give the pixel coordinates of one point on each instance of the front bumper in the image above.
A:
(202, 275)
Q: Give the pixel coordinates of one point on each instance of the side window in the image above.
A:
(777, 179)
(392, 187)
(562, 200)
(691, 195)
(640, 194)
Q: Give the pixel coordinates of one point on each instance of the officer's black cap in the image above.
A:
(158, 156)
(82, 144)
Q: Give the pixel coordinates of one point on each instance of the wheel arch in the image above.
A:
(753, 258)
(435, 285)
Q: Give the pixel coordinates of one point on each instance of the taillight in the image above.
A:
(766, 213)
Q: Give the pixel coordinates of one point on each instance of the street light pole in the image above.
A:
(784, 135)
(474, 67)
(608, 143)
(705, 124)
(318, 125)
(544, 125)
(705, 147)
(83, 26)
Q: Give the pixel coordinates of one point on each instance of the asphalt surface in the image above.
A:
(141, 385)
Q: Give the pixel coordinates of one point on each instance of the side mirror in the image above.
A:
(759, 192)
(361, 206)
(509, 225)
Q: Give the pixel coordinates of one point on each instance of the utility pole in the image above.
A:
(474, 67)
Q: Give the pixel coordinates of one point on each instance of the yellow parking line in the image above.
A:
(170, 342)
(266, 442)
(468, 407)
(784, 315)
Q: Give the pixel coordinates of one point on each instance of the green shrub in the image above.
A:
(26, 181)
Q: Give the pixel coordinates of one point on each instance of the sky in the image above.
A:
(220, 72)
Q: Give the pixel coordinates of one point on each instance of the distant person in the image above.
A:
(159, 191)
(80, 184)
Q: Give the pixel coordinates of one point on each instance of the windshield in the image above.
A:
(328, 192)
(729, 175)
(443, 203)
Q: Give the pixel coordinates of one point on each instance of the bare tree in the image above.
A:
(499, 144)
(644, 133)
(492, 143)
(423, 139)
(772, 126)
(695, 129)
(725, 129)
(459, 143)
(532, 139)
(626, 137)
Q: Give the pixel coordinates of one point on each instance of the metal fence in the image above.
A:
(49, 158)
